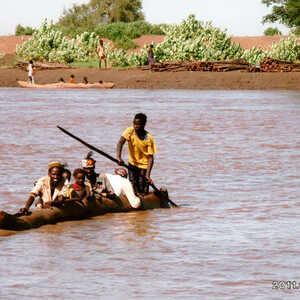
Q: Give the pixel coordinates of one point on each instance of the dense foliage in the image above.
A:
(20, 30)
(49, 44)
(272, 31)
(88, 16)
(191, 40)
(284, 11)
(120, 33)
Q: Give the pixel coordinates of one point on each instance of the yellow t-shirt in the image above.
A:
(139, 150)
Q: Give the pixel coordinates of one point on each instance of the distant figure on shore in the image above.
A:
(85, 80)
(61, 80)
(72, 78)
(30, 70)
(151, 60)
(101, 54)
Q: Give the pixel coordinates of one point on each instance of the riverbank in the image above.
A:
(139, 79)
(134, 78)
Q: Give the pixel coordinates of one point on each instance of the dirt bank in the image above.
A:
(133, 78)
(138, 79)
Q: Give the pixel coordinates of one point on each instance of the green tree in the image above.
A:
(101, 11)
(284, 11)
(20, 30)
(272, 31)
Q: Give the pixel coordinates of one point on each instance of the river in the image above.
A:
(231, 159)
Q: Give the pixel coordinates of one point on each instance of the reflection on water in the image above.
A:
(233, 159)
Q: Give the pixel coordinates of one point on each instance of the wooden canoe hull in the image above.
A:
(76, 211)
(66, 85)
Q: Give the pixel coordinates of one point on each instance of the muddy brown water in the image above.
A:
(231, 158)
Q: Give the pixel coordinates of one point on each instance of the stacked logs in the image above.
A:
(167, 66)
(42, 66)
(200, 66)
(219, 66)
(275, 65)
(267, 65)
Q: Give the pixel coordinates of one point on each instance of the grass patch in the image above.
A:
(91, 63)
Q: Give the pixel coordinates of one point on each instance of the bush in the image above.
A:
(125, 44)
(20, 30)
(49, 44)
(191, 40)
(296, 31)
(115, 31)
(272, 31)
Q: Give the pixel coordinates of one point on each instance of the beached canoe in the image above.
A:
(66, 85)
(75, 211)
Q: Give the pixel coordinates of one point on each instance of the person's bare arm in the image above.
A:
(29, 202)
(149, 167)
(121, 142)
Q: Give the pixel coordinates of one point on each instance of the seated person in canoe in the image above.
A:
(92, 178)
(51, 188)
(117, 185)
(79, 191)
(72, 78)
(85, 80)
(66, 174)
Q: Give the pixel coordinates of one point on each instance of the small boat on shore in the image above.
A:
(66, 85)
(76, 211)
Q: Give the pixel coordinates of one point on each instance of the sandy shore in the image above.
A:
(138, 79)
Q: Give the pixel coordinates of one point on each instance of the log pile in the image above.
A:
(167, 66)
(267, 65)
(42, 66)
(219, 66)
(199, 66)
(275, 65)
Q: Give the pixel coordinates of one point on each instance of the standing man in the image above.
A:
(101, 53)
(141, 148)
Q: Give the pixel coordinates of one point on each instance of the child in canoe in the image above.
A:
(79, 191)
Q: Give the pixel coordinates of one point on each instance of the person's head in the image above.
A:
(79, 176)
(55, 169)
(72, 76)
(101, 42)
(31, 61)
(66, 174)
(139, 122)
(151, 46)
(61, 79)
(85, 80)
(100, 81)
(88, 164)
(121, 171)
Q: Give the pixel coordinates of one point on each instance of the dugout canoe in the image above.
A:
(66, 85)
(76, 211)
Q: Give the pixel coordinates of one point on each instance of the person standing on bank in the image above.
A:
(141, 149)
(101, 54)
(30, 70)
(151, 60)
